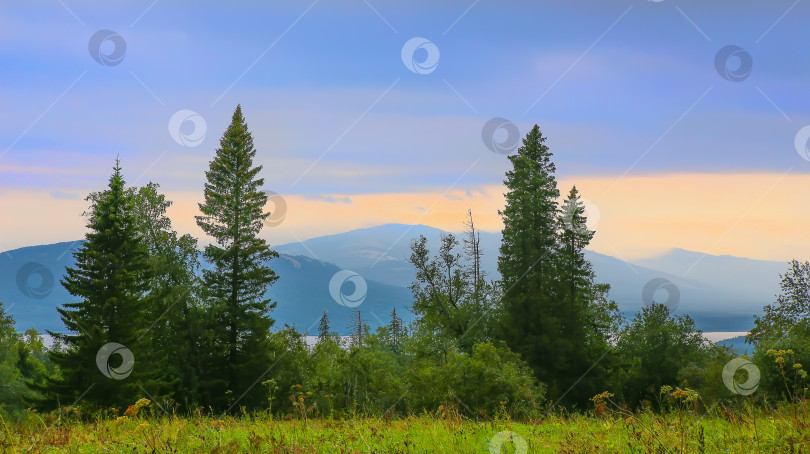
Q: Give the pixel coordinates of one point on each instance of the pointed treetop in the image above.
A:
(573, 194)
(534, 145)
(116, 179)
(237, 115)
(237, 134)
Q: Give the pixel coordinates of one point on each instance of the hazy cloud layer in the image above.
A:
(619, 88)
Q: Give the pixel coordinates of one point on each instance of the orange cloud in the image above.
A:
(751, 215)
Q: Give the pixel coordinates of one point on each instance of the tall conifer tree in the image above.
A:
(396, 332)
(239, 349)
(576, 272)
(553, 313)
(323, 328)
(110, 280)
(587, 317)
(531, 325)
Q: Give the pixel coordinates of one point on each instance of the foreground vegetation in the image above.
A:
(721, 429)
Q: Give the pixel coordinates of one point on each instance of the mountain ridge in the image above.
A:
(722, 293)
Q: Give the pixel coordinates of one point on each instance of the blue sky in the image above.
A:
(620, 88)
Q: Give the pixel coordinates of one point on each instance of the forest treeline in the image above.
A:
(148, 321)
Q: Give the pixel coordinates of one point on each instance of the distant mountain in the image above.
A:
(721, 293)
(739, 283)
(30, 290)
(29, 284)
(377, 253)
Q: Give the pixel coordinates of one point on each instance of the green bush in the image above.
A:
(488, 380)
(654, 350)
(793, 352)
(23, 363)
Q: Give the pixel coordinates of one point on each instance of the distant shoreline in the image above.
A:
(717, 336)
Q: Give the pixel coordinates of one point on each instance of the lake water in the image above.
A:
(717, 336)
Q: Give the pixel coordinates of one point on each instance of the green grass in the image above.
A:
(723, 431)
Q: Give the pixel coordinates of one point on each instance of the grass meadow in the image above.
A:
(607, 429)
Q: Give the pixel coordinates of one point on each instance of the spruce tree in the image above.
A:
(323, 328)
(110, 281)
(357, 329)
(239, 349)
(396, 332)
(587, 316)
(554, 315)
(531, 323)
(575, 272)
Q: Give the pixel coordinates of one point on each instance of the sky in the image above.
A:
(683, 123)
